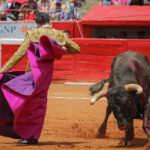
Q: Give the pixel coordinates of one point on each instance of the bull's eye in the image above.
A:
(128, 104)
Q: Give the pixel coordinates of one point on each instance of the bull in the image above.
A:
(128, 94)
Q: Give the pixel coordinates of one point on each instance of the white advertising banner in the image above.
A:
(15, 30)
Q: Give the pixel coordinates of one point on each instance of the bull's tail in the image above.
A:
(97, 87)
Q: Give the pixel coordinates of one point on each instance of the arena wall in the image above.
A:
(91, 65)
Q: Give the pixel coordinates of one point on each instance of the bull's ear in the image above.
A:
(98, 96)
(97, 87)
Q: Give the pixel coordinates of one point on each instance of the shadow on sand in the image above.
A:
(136, 143)
(48, 143)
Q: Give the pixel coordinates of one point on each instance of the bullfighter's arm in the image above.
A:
(65, 42)
(72, 47)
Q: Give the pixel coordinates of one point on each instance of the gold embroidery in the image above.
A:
(60, 38)
(38, 32)
(34, 35)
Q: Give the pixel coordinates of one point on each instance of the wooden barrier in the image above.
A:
(74, 27)
(91, 65)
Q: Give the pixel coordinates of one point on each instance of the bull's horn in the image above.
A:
(134, 87)
(98, 96)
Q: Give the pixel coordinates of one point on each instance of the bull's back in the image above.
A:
(141, 58)
(122, 67)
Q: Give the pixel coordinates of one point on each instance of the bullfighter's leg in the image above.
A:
(102, 128)
(32, 142)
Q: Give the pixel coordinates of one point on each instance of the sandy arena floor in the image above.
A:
(71, 123)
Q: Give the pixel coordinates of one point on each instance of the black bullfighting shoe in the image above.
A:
(32, 142)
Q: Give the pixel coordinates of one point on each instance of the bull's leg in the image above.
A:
(147, 131)
(129, 134)
(102, 128)
(146, 123)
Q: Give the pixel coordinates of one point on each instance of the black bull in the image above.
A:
(127, 94)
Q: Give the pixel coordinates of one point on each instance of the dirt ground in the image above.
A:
(71, 123)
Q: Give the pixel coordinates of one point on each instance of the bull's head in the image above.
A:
(120, 102)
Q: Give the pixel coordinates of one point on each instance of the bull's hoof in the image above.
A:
(147, 145)
(101, 133)
(123, 143)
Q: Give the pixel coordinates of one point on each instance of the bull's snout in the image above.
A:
(124, 127)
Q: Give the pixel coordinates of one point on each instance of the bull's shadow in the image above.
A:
(139, 142)
(136, 143)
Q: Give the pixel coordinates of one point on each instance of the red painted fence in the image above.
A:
(92, 64)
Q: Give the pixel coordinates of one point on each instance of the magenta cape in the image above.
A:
(23, 97)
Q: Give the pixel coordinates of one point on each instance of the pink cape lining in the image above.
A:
(29, 109)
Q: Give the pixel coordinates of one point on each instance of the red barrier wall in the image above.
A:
(7, 51)
(92, 64)
(74, 27)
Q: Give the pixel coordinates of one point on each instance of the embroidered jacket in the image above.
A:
(34, 36)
